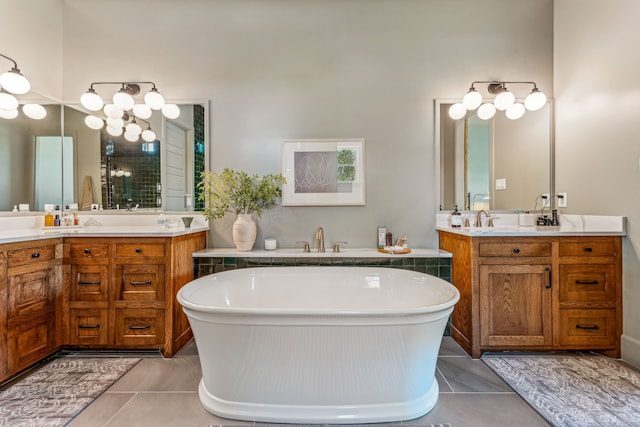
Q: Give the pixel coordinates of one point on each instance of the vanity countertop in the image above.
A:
(299, 253)
(29, 227)
(570, 225)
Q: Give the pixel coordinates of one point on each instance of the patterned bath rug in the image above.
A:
(571, 390)
(55, 393)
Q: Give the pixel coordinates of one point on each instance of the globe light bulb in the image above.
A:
(171, 111)
(154, 99)
(14, 82)
(91, 100)
(112, 111)
(486, 111)
(142, 111)
(123, 100)
(8, 101)
(131, 137)
(535, 100)
(93, 122)
(34, 111)
(149, 135)
(457, 111)
(115, 123)
(515, 111)
(472, 99)
(134, 129)
(8, 114)
(504, 100)
(114, 131)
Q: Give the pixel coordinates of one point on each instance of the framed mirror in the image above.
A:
(32, 159)
(114, 173)
(496, 164)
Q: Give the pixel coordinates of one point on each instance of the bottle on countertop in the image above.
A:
(15, 208)
(554, 218)
(48, 219)
(382, 233)
(456, 218)
(162, 220)
(56, 221)
(388, 239)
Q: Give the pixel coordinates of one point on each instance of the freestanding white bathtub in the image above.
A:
(318, 344)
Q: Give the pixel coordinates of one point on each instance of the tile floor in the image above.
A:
(163, 392)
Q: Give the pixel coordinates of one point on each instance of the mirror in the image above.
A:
(496, 164)
(32, 160)
(117, 174)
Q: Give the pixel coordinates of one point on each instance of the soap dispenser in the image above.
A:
(48, 219)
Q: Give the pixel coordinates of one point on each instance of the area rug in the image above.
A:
(573, 389)
(58, 391)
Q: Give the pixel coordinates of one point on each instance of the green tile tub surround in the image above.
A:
(439, 267)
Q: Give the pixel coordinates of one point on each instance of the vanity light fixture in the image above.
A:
(13, 83)
(124, 100)
(504, 100)
(126, 124)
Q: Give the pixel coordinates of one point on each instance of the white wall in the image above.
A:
(283, 69)
(31, 34)
(597, 94)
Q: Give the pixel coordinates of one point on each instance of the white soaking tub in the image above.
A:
(318, 344)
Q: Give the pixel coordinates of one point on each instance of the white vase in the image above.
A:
(244, 232)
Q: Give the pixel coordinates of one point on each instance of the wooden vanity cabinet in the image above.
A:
(121, 292)
(30, 285)
(536, 293)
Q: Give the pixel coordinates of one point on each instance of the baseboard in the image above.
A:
(630, 350)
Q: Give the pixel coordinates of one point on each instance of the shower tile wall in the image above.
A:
(120, 157)
(198, 152)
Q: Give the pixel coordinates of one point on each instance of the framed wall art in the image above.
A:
(323, 172)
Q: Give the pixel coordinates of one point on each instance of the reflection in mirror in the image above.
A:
(117, 174)
(497, 164)
(31, 160)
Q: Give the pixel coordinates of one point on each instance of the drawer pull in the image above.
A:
(146, 282)
(88, 326)
(84, 282)
(516, 250)
(35, 255)
(548, 271)
(137, 328)
(138, 250)
(587, 249)
(87, 251)
(590, 327)
(587, 282)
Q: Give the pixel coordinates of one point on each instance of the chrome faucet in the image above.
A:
(320, 239)
(478, 222)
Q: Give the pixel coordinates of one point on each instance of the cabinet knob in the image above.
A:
(35, 255)
(516, 250)
(588, 249)
(87, 250)
(138, 250)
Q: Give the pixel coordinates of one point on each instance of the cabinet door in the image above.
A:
(515, 305)
(31, 292)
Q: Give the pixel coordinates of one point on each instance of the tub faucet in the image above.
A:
(478, 222)
(320, 239)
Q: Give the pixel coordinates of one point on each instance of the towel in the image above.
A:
(87, 194)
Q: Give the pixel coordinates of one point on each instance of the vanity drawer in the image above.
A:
(140, 282)
(588, 328)
(88, 250)
(89, 282)
(139, 250)
(88, 326)
(586, 249)
(139, 327)
(516, 249)
(587, 283)
(31, 255)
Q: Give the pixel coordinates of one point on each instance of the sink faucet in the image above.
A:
(478, 222)
(320, 239)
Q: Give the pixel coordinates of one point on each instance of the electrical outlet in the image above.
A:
(562, 200)
(546, 200)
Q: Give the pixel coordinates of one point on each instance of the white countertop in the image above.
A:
(299, 253)
(570, 225)
(30, 227)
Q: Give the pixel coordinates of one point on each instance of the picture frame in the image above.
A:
(323, 172)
